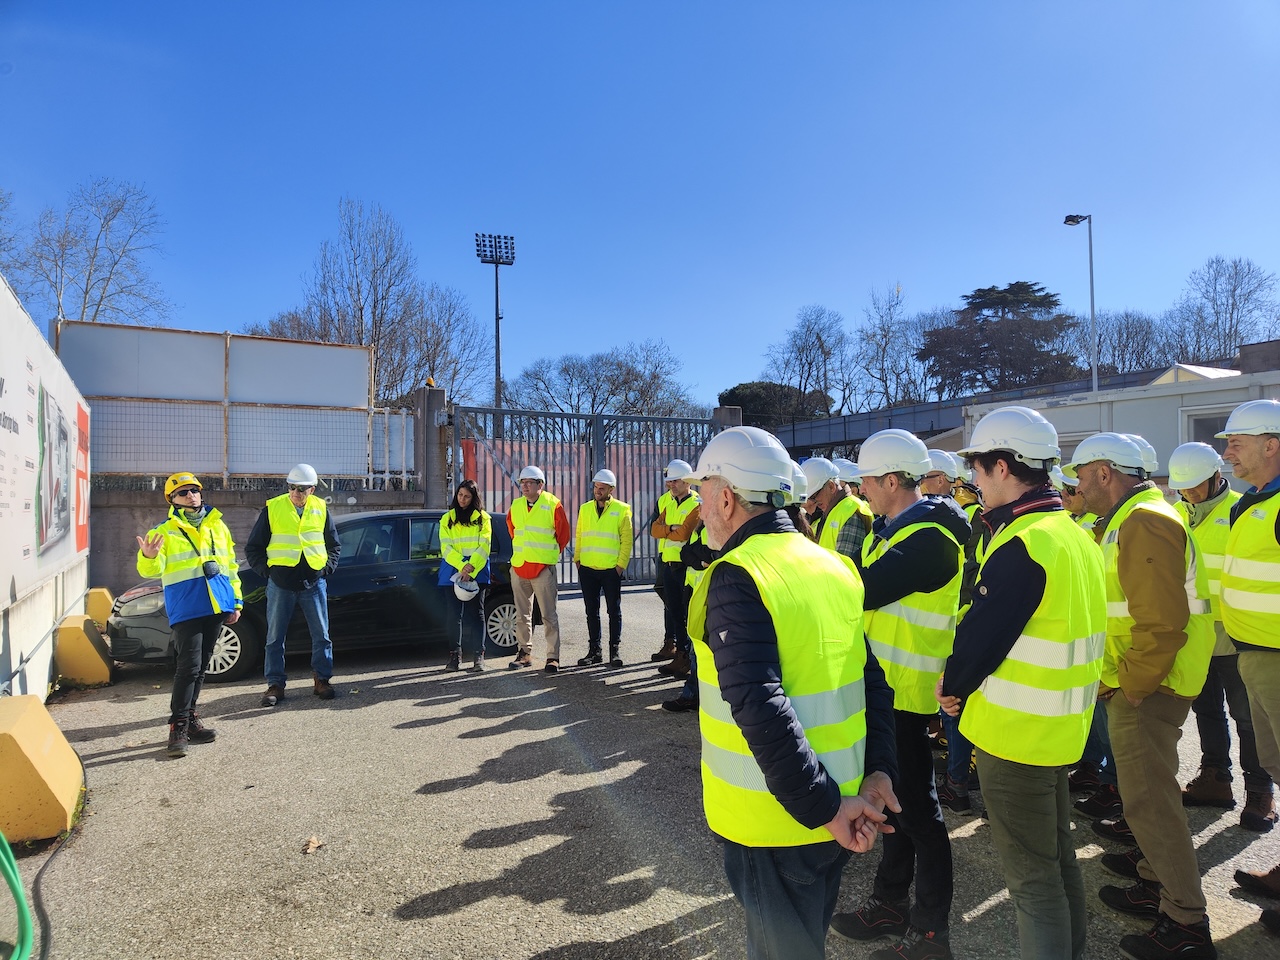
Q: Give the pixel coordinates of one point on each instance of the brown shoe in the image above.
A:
(679, 667)
(1267, 884)
(1259, 811)
(1210, 788)
(666, 653)
(273, 696)
(323, 689)
(522, 659)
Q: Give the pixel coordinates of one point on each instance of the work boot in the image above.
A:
(273, 695)
(615, 658)
(1142, 899)
(323, 689)
(1169, 939)
(455, 662)
(1103, 802)
(666, 653)
(1210, 788)
(1123, 864)
(177, 739)
(523, 659)
(1259, 813)
(197, 732)
(954, 796)
(1267, 884)
(917, 945)
(678, 667)
(1084, 778)
(477, 663)
(937, 733)
(1117, 830)
(593, 658)
(680, 704)
(875, 918)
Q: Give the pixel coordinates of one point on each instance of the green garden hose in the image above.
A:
(22, 949)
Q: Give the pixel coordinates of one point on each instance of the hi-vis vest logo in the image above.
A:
(1258, 514)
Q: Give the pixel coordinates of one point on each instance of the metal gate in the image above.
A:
(492, 446)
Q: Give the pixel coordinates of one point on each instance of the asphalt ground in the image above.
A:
(511, 814)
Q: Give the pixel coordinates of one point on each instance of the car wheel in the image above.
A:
(500, 624)
(236, 653)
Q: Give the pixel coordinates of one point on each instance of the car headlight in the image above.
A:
(143, 606)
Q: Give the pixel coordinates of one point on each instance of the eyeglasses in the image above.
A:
(300, 488)
(186, 491)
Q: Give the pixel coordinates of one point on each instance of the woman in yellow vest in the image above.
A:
(466, 536)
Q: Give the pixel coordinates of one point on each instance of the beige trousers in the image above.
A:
(544, 587)
(1260, 671)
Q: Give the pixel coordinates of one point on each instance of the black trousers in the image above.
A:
(593, 583)
(676, 619)
(193, 643)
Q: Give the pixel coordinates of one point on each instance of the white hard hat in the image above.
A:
(799, 483)
(1192, 464)
(1058, 478)
(894, 451)
(466, 590)
(677, 470)
(848, 470)
(753, 461)
(1150, 461)
(963, 473)
(605, 476)
(1019, 430)
(817, 472)
(533, 473)
(1253, 418)
(1115, 448)
(944, 463)
(303, 473)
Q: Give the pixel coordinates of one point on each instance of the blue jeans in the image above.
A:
(1223, 690)
(1097, 748)
(959, 750)
(788, 893)
(464, 622)
(315, 607)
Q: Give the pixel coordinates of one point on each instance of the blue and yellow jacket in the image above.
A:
(188, 593)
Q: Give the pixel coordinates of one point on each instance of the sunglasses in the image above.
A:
(186, 491)
(300, 488)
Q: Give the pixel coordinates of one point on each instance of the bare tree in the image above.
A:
(9, 242)
(89, 262)
(1128, 341)
(888, 371)
(814, 355)
(1225, 303)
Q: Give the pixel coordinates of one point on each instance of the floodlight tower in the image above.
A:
(1074, 220)
(498, 250)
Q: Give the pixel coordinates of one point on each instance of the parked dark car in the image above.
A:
(384, 593)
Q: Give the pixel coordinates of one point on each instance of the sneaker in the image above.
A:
(1210, 788)
(680, 704)
(323, 689)
(477, 663)
(667, 652)
(197, 732)
(1084, 778)
(875, 918)
(1267, 884)
(953, 796)
(592, 659)
(1271, 920)
(273, 696)
(522, 659)
(1103, 802)
(1117, 830)
(1123, 864)
(1169, 939)
(1259, 813)
(1142, 899)
(177, 739)
(553, 666)
(917, 945)
(615, 660)
(454, 664)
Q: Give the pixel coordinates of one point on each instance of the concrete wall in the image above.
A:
(116, 517)
(27, 625)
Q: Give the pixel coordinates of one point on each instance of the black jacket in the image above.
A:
(751, 683)
(924, 562)
(300, 577)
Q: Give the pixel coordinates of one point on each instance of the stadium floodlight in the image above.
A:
(500, 250)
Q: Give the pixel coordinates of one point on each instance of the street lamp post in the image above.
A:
(1074, 220)
(498, 250)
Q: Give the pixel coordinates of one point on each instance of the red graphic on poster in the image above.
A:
(82, 478)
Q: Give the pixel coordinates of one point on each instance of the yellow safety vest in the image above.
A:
(463, 543)
(677, 513)
(1086, 521)
(1037, 706)
(814, 598)
(692, 575)
(912, 637)
(1251, 577)
(1211, 535)
(839, 516)
(535, 531)
(602, 541)
(1191, 665)
(294, 537)
(188, 593)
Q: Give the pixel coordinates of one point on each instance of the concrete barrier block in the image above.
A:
(97, 604)
(40, 788)
(80, 652)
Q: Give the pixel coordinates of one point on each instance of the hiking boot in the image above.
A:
(615, 659)
(1259, 813)
(177, 739)
(454, 664)
(273, 696)
(1084, 778)
(666, 653)
(1267, 884)
(1169, 939)
(875, 918)
(937, 733)
(1210, 788)
(592, 659)
(477, 663)
(1103, 802)
(522, 659)
(553, 666)
(1271, 920)
(954, 796)
(678, 667)
(917, 945)
(323, 689)
(1117, 830)
(680, 704)
(197, 732)
(1123, 864)
(1142, 899)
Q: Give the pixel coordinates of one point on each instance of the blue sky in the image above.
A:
(691, 171)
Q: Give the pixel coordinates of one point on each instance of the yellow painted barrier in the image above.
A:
(97, 604)
(80, 652)
(40, 788)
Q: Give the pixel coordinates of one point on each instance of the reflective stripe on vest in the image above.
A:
(814, 598)
(295, 537)
(535, 531)
(912, 637)
(1211, 535)
(1251, 576)
(1191, 664)
(1035, 708)
(600, 535)
(673, 515)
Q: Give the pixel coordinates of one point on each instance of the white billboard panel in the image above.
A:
(261, 370)
(113, 360)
